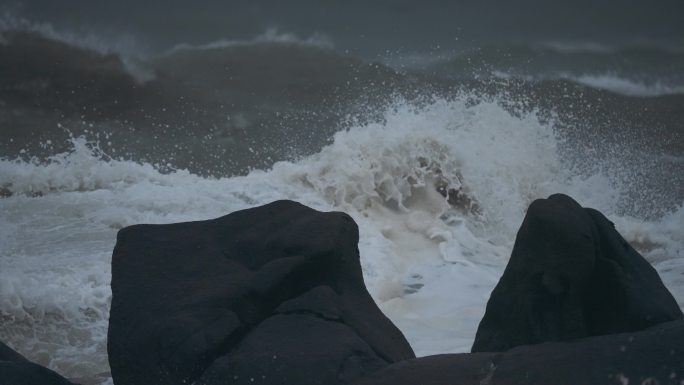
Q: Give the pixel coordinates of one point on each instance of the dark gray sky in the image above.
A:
(367, 27)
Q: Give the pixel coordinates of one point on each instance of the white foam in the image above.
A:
(429, 266)
(628, 87)
(269, 36)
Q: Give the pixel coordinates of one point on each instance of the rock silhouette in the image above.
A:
(651, 356)
(272, 294)
(275, 295)
(17, 370)
(571, 275)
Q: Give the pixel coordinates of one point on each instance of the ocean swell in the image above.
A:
(429, 261)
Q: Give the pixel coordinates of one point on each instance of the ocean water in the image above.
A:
(436, 154)
(428, 264)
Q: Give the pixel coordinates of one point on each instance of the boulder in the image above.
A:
(571, 275)
(652, 356)
(17, 370)
(268, 295)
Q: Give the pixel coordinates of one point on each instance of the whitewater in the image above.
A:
(438, 192)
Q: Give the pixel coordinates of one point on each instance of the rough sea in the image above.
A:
(435, 149)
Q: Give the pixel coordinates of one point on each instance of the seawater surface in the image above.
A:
(434, 138)
(430, 264)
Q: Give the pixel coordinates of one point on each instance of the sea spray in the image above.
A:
(429, 261)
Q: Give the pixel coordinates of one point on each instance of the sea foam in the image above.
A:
(428, 263)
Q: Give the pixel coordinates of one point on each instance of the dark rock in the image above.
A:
(652, 356)
(17, 370)
(8, 354)
(269, 295)
(441, 369)
(571, 275)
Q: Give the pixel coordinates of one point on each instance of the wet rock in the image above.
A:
(571, 275)
(652, 356)
(17, 370)
(269, 295)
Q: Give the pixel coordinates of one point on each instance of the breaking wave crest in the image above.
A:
(438, 192)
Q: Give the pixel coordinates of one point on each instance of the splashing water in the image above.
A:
(438, 193)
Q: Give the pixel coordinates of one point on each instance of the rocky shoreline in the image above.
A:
(275, 295)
